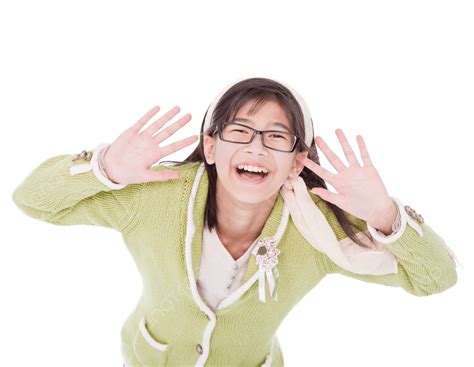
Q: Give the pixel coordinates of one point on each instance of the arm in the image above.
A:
(425, 265)
(67, 190)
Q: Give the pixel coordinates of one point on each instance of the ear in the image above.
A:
(298, 164)
(209, 149)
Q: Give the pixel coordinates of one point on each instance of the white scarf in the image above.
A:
(314, 227)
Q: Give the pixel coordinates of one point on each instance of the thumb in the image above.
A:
(325, 194)
(153, 176)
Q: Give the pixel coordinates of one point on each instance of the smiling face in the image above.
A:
(227, 156)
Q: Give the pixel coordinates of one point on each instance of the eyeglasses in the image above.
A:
(234, 132)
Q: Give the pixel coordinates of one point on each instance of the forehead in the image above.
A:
(268, 111)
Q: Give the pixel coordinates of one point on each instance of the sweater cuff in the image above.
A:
(94, 166)
(404, 219)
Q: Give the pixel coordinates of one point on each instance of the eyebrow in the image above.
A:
(275, 123)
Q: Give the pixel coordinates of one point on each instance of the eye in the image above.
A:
(277, 136)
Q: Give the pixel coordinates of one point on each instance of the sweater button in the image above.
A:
(199, 348)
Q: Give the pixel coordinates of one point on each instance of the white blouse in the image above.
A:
(219, 274)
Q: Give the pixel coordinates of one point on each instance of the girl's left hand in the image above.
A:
(361, 191)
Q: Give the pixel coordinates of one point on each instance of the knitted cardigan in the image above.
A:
(171, 325)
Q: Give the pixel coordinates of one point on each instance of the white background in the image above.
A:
(75, 74)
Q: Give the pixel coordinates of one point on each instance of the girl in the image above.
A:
(229, 240)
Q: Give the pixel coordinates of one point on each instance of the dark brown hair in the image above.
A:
(261, 90)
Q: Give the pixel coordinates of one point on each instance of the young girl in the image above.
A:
(229, 240)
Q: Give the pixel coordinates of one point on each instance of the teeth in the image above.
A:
(252, 168)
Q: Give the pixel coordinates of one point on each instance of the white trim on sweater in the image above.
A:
(404, 218)
(94, 166)
(149, 339)
(190, 230)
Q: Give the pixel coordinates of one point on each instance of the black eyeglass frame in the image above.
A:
(220, 127)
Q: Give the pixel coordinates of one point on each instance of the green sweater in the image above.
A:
(171, 324)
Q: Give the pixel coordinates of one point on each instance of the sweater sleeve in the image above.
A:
(66, 190)
(425, 264)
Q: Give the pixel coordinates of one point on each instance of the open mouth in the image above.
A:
(255, 177)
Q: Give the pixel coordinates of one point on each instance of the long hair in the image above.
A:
(261, 90)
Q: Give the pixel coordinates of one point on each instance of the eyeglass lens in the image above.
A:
(280, 140)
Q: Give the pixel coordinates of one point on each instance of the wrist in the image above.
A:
(387, 221)
(102, 164)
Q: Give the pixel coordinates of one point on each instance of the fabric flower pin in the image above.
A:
(266, 255)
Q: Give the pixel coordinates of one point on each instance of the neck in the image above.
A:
(240, 223)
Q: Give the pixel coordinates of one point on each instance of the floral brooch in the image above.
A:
(266, 255)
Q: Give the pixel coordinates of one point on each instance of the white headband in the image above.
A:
(312, 223)
(308, 124)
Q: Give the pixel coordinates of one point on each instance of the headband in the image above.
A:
(308, 124)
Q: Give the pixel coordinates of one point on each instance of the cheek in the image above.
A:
(223, 163)
(285, 168)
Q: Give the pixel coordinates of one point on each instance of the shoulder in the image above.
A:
(171, 187)
(175, 166)
(185, 169)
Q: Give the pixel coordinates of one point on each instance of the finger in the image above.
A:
(155, 126)
(331, 156)
(140, 123)
(349, 153)
(363, 151)
(170, 130)
(173, 147)
(320, 171)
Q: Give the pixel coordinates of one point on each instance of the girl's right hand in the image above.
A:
(129, 158)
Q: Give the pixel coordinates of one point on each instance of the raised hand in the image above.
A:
(360, 190)
(130, 156)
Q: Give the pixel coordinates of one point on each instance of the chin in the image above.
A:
(250, 193)
(254, 197)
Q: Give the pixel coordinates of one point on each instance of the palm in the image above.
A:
(132, 154)
(360, 189)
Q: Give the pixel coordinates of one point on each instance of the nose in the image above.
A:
(256, 145)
